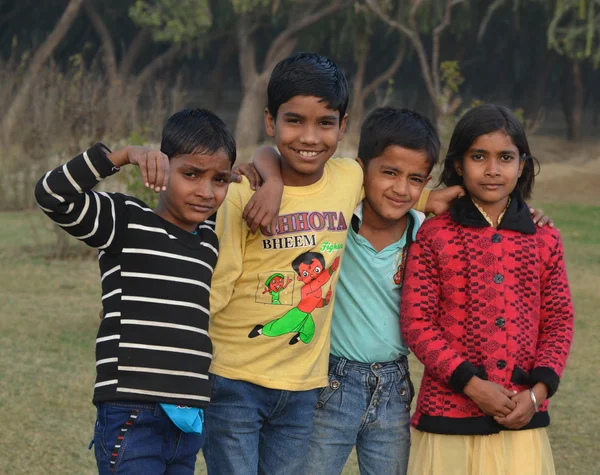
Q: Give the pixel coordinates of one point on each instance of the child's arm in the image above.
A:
(556, 316)
(96, 218)
(262, 209)
(419, 311)
(232, 233)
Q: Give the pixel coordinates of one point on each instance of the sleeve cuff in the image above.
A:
(548, 376)
(98, 157)
(462, 375)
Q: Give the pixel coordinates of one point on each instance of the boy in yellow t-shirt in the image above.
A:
(271, 342)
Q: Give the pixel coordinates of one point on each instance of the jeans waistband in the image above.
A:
(342, 365)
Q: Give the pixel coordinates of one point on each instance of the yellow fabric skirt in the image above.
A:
(525, 452)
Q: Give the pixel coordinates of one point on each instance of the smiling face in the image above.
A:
(490, 169)
(197, 186)
(394, 182)
(306, 132)
(309, 272)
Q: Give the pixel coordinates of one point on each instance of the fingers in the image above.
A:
(507, 392)
(150, 161)
(235, 176)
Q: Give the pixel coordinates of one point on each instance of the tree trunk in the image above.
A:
(538, 94)
(250, 116)
(577, 113)
(19, 103)
(109, 58)
(216, 83)
(572, 99)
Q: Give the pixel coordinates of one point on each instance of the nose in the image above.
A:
(491, 168)
(309, 135)
(400, 186)
(205, 189)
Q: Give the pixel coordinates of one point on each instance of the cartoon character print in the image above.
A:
(310, 267)
(274, 285)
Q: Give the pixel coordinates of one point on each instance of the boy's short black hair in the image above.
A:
(482, 120)
(308, 74)
(387, 126)
(307, 258)
(192, 131)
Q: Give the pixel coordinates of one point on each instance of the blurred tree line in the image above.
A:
(436, 56)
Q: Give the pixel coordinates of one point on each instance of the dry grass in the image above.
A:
(68, 112)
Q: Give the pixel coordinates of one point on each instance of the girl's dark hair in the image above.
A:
(308, 74)
(196, 131)
(482, 120)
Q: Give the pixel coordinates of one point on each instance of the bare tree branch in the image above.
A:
(435, 53)
(274, 53)
(158, 63)
(387, 74)
(108, 51)
(133, 51)
(496, 4)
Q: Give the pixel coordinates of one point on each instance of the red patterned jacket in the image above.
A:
(488, 302)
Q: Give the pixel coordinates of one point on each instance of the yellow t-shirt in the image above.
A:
(270, 321)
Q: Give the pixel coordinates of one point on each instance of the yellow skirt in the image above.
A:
(525, 452)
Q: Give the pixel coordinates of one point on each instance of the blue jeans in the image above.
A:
(255, 430)
(139, 438)
(367, 405)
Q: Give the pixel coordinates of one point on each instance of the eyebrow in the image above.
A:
(503, 152)
(295, 115)
(394, 169)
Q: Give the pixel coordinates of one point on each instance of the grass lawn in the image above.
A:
(49, 317)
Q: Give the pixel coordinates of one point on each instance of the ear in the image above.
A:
(269, 123)
(521, 166)
(343, 123)
(360, 162)
(458, 167)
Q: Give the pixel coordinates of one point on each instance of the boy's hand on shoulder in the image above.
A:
(540, 218)
(439, 201)
(249, 171)
(153, 164)
(263, 208)
(491, 398)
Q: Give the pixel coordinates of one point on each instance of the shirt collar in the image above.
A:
(411, 224)
(516, 215)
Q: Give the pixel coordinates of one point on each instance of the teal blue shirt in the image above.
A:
(365, 325)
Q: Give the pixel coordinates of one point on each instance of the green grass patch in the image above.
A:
(49, 311)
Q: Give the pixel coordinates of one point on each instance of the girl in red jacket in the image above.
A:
(486, 308)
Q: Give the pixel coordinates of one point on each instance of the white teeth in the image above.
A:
(308, 154)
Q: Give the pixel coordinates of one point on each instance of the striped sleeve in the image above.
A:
(65, 195)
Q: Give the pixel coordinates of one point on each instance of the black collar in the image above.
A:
(517, 216)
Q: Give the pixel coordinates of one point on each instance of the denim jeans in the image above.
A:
(367, 406)
(139, 438)
(255, 430)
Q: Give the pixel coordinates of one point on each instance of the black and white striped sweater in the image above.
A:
(153, 342)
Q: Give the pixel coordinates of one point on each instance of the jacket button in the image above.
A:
(403, 392)
(498, 278)
(335, 384)
(319, 404)
(496, 238)
(501, 364)
(500, 322)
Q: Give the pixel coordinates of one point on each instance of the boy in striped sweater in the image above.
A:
(153, 350)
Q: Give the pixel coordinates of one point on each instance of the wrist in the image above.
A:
(120, 157)
(540, 391)
(472, 386)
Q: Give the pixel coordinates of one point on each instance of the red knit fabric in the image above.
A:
(495, 298)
